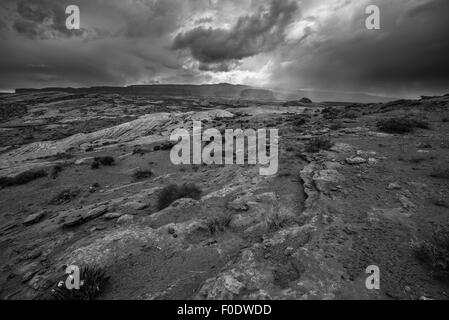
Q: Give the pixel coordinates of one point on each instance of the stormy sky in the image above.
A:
(295, 44)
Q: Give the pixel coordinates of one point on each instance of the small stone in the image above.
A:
(125, 219)
(424, 145)
(171, 230)
(349, 231)
(289, 251)
(394, 186)
(356, 160)
(33, 254)
(134, 205)
(342, 148)
(28, 276)
(326, 180)
(39, 282)
(95, 213)
(406, 203)
(72, 221)
(112, 215)
(97, 228)
(83, 161)
(34, 218)
(238, 205)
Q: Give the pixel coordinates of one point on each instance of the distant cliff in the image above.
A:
(214, 90)
(222, 90)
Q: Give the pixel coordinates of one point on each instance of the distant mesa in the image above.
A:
(305, 100)
(298, 103)
(257, 94)
(222, 90)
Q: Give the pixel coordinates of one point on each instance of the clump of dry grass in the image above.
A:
(174, 192)
(317, 144)
(440, 173)
(401, 125)
(418, 158)
(22, 178)
(435, 253)
(65, 196)
(439, 202)
(105, 161)
(142, 174)
(336, 125)
(94, 281)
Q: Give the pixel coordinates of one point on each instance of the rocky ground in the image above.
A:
(364, 197)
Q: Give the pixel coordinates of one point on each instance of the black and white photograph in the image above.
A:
(203, 151)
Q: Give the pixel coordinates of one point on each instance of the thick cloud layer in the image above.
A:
(260, 32)
(407, 56)
(318, 44)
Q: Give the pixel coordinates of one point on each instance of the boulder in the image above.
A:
(327, 180)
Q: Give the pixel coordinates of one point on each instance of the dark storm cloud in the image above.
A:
(116, 42)
(43, 19)
(252, 34)
(409, 55)
(34, 10)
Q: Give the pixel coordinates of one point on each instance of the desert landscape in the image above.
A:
(224, 158)
(86, 179)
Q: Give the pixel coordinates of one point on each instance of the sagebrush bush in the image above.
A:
(94, 281)
(105, 161)
(439, 202)
(299, 122)
(22, 178)
(331, 114)
(417, 159)
(401, 125)
(173, 192)
(351, 114)
(142, 174)
(317, 144)
(56, 170)
(64, 196)
(336, 125)
(440, 173)
(435, 253)
(95, 165)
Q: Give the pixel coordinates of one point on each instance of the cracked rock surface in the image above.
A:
(308, 232)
